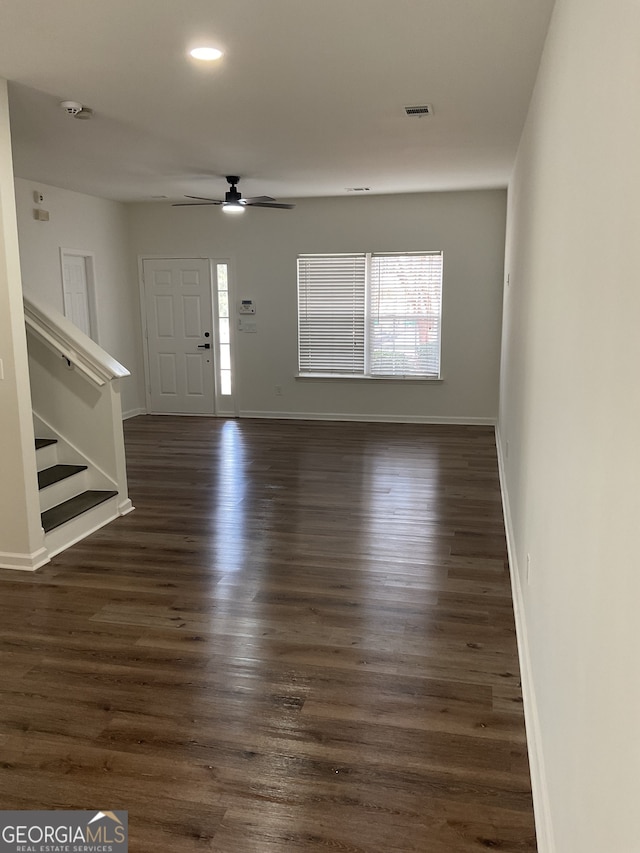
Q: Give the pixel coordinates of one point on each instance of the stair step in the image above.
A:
(45, 442)
(67, 510)
(56, 473)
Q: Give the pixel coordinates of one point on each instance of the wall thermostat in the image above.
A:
(247, 306)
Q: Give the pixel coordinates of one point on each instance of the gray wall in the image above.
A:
(94, 225)
(262, 246)
(21, 537)
(570, 410)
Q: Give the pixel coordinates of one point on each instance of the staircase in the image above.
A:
(79, 480)
(75, 498)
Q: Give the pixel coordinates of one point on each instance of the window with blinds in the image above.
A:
(370, 315)
(331, 313)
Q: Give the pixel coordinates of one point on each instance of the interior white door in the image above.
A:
(76, 291)
(177, 294)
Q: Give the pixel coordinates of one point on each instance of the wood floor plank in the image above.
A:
(302, 639)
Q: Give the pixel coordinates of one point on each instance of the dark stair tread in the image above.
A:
(45, 442)
(52, 475)
(67, 510)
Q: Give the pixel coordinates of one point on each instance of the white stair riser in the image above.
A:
(47, 456)
(63, 490)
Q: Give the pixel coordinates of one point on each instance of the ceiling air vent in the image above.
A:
(420, 111)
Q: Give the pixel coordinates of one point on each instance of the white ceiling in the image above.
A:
(308, 100)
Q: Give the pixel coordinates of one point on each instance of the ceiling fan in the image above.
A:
(233, 201)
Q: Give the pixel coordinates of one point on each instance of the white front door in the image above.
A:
(179, 318)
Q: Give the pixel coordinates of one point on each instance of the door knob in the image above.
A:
(204, 346)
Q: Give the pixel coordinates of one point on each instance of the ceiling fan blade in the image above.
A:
(269, 204)
(204, 198)
(196, 203)
(257, 198)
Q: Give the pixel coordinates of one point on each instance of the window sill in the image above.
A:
(336, 377)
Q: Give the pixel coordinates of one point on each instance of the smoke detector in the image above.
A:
(76, 110)
(71, 108)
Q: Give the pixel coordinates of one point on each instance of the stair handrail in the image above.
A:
(71, 343)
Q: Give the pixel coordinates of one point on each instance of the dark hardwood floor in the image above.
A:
(301, 640)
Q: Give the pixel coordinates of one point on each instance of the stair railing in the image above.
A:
(75, 391)
(65, 339)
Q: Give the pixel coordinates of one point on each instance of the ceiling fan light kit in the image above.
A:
(233, 202)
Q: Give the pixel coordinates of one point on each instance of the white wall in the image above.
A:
(570, 412)
(98, 226)
(263, 245)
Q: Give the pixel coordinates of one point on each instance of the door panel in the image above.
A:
(193, 324)
(167, 374)
(177, 296)
(76, 291)
(164, 316)
(195, 377)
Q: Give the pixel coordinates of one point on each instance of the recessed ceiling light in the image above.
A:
(208, 54)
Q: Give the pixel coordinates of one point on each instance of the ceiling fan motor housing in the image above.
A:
(233, 195)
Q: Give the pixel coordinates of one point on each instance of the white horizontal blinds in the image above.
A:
(404, 320)
(331, 303)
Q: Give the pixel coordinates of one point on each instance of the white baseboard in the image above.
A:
(336, 416)
(125, 507)
(133, 413)
(394, 419)
(24, 562)
(541, 803)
